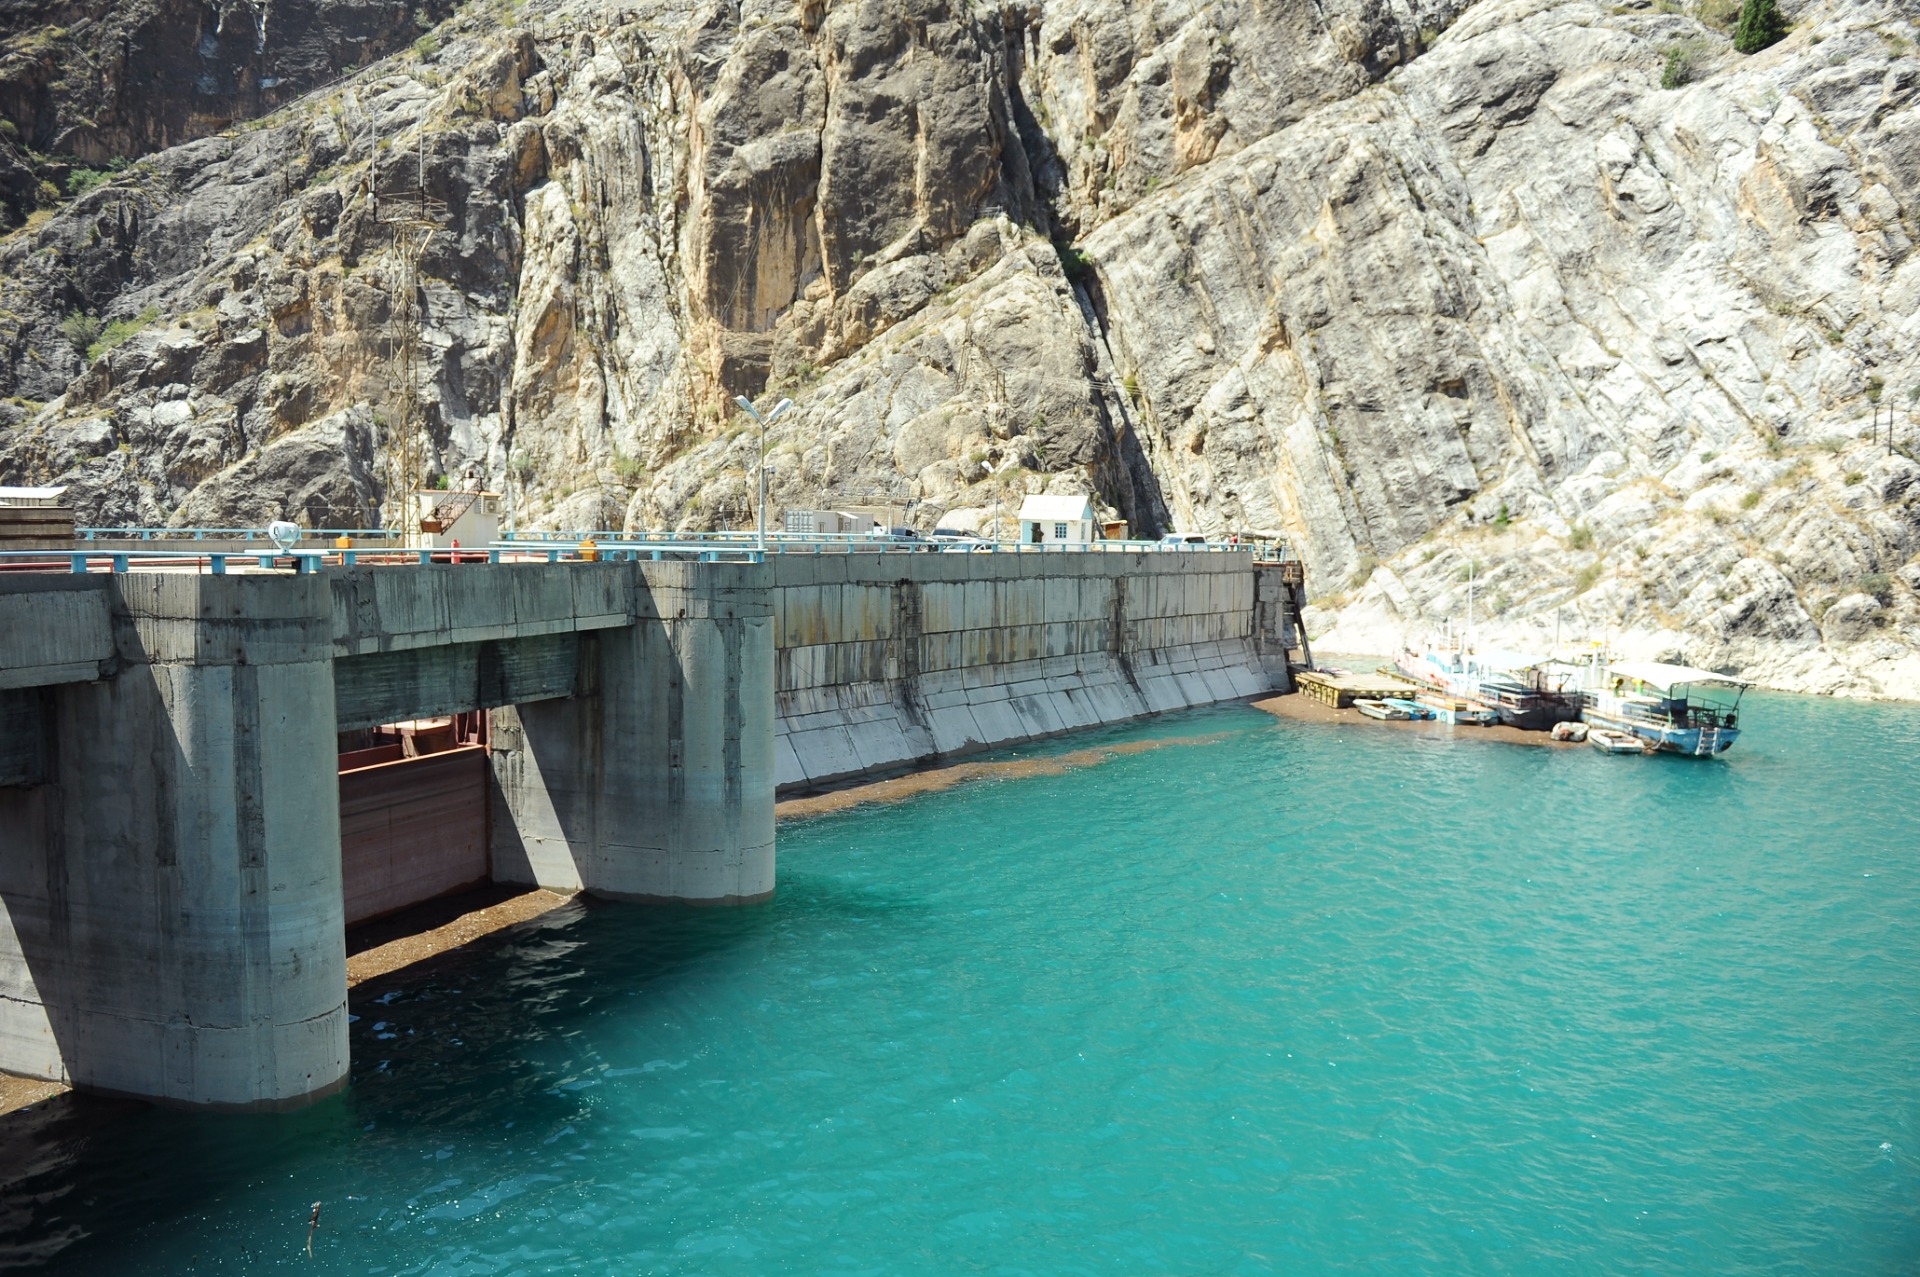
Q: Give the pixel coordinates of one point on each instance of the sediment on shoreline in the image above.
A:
(933, 779)
(1301, 709)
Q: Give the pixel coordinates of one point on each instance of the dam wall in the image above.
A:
(882, 661)
(174, 884)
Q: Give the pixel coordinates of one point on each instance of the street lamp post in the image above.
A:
(746, 404)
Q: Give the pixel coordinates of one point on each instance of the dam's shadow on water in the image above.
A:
(440, 1050)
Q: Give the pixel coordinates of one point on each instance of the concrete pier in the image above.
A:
(173, 909)
(654, 781)
(172, 888)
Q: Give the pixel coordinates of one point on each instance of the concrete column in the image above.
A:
(172, 926)
(1275, 625)
(655, 780)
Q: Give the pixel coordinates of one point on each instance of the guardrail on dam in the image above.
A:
(171, 891)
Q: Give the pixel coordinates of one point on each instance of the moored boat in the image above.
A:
(1529, 698)
(1670, 708)
(1454, 709)
(1411, 708)
(1381, 710)
(1519, 690)
(1608, 741)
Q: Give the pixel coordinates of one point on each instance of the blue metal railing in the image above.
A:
(554, 547)
(807, 542)
(217, 562)
(227, 534)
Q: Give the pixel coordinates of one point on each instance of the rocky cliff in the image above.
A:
(1437, 290)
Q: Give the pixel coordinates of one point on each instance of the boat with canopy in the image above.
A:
(1674, 709)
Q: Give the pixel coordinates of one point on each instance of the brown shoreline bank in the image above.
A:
(939, 776)
(1301, 709)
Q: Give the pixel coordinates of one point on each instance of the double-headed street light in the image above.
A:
(747, 404)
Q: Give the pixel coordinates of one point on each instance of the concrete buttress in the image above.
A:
(173, 923)
(654, 781)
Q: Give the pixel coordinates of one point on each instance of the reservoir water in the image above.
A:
(1271, 998)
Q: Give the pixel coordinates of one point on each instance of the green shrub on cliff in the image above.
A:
(81, 330)
(1077, 266)
(1760, 26)
(1683, 63)
(92, 339)
(82, 180)
(1721, 15)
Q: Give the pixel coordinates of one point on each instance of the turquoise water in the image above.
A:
(1296, 1000)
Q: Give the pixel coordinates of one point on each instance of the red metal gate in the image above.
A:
(412, 829)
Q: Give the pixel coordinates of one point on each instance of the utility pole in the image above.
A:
(746, 406)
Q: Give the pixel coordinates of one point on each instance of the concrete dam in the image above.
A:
(183, 842)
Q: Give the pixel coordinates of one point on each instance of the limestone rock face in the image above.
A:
(1442, 293)
(93, 83)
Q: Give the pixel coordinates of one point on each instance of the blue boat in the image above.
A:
(1412, 709)
(1664, 706)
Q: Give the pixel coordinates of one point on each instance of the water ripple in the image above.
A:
(1285, 1001)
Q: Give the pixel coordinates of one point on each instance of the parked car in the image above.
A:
(954, 540)
(1184, 538)
(903, 534)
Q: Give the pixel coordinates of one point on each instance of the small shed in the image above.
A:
(471, 518)
(827, 522)
(1067, 519)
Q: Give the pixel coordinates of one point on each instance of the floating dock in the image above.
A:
(1341, 690)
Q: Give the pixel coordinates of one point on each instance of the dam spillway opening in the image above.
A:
(414, 814)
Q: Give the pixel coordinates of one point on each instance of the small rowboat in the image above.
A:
(1381, 710)
(1611, 742)
(1412, 709)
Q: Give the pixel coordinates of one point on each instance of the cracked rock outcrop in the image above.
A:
(1438, 291)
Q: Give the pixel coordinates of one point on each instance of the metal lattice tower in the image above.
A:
(412, 222)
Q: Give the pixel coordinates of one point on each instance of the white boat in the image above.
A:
(1452, 709)
(1665, 707)
(1381, 710)
(1522, 691)
(1612, 742)
(1519, 690)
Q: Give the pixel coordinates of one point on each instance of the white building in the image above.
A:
(1068, 519)
(31, 498)
(471, 518)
